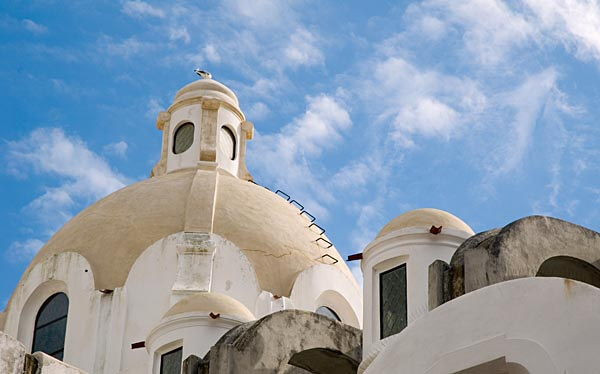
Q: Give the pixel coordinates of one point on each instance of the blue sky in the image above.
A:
(486, 109)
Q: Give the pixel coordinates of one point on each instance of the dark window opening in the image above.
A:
(183, 138)
(227, 142)
(51, 326)
(170, 362)
(392, 301)
(328, 312)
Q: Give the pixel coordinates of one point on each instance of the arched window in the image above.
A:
(570, 268)
(183, 138)
(51, 325)
(227, 142)
(328, 312)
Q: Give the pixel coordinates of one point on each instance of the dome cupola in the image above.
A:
(204, 128)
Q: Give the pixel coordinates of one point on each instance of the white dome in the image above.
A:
(425, 218)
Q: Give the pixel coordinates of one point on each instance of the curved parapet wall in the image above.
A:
(536, 325)
(516, 251)
(267, 345)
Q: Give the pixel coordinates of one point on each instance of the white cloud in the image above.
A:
(83, 176)
(118, 149)
(257, 111)
(575, 23)
(35, 28)
(126, 48)
(139, 9)
(527, 102)
(493, 30)
(154, 106)
(23, 251)
(286, 158)
(179, 33)
(413, 101)
(302, 49)
(211, 53)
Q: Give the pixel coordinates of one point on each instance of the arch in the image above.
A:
(51, 326)
(324, 360)
(183, 137)
(336, 302)
(570, 268)
(228, 142)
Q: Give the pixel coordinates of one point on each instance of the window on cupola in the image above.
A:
(51, 326)
(227, 142)
(392, 301)
(183, 138)
(170, 362)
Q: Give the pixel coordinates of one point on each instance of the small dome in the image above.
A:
(208, 88)
(209, 302)
(425, 218)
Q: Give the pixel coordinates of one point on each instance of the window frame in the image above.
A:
(161, 355)
(176, 130)
(380, 301)
(36, 328)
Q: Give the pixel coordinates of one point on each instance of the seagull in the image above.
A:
(203, 74)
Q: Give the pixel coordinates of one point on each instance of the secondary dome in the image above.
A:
(209, 302)
(206, 88)
(112, 233)
(425, 218)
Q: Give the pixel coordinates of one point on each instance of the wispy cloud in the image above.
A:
(82, 176)
(416, 102)
(179, 33)
(23, 251)
(34, 27)
(141, 9)
(118, 149)
(286, 158)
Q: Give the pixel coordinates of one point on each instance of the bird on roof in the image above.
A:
(203, 74)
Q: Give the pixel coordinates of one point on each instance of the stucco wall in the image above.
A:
(547, 325)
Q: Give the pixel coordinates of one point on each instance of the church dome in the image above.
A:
(206, 88)
(425, 218)
(210, 302)
(112, 233)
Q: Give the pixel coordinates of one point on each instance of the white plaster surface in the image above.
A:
(545, 325)
(324, 285)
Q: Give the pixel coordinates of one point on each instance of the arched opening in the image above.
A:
(329, 313)
(227, 142)
(324, 361)
(51, 326)
(570, 268)
(183, 138)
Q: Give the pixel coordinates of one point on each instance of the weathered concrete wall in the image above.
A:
(266, 345)
(12, 355)
(516, 251)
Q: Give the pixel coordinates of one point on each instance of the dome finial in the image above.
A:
(203, 74)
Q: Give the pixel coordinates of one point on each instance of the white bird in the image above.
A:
(203, 74)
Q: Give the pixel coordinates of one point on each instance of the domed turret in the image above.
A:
(204, 127)
(396, 269)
